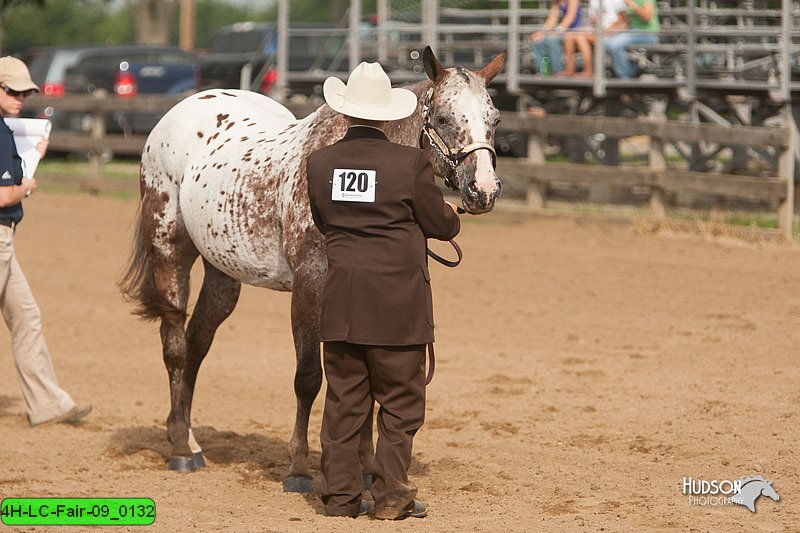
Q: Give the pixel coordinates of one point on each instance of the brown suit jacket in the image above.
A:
(378, 288)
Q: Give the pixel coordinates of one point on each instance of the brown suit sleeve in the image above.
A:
(435, 218)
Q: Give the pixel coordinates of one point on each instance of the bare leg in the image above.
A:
(569, 54)
(585, 43)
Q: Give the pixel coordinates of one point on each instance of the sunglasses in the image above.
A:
(13, 93)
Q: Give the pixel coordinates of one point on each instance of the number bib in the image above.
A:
(353, 185)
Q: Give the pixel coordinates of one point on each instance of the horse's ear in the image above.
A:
(493, 68)
(433, 68)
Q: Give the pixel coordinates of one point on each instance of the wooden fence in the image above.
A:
(778, 190)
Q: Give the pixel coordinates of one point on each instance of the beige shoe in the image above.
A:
(73, 416)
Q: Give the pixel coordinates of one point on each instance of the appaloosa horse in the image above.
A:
(223, 176)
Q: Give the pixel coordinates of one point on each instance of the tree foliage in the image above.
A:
(153, 19)
(213, 14)
(5, 4)
(59, 22)
(36, 23)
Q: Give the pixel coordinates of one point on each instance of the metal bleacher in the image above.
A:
(724, 62)
(740, 46)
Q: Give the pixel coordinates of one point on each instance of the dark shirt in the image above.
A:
(10, 170)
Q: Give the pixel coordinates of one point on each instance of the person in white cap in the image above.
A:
(375, 202)
(46, 401)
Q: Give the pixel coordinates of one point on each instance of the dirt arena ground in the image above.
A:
(584, 369)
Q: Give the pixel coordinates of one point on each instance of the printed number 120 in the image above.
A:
(359, 182)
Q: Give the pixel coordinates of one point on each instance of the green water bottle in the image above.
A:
(544, 68)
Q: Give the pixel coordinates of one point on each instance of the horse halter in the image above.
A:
(453, 157)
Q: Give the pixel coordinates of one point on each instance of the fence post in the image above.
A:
(98, 136)
(537, 190)
(656, 160)
(786, 171)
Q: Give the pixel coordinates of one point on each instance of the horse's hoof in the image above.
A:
(367, 481)
(199, 460)
(298, 484)
(182, 464)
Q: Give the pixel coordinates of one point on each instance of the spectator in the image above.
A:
(643, 26)
(46, 401)
(610, 20)
(547, 46)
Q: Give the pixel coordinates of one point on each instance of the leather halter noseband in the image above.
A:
(451, 157)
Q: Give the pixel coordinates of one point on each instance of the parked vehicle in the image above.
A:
(124, 71)
(48, 66)
(128, 71)
(255, 44)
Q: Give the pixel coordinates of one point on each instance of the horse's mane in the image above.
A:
(750, 479)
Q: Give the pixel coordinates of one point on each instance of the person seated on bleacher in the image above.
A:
(643, 27)
(611, 19)
(548, 52)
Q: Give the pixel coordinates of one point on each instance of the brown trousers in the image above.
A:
(357, 375)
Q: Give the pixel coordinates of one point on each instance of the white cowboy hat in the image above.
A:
(369, 95)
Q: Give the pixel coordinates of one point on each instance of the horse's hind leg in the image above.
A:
(172, 282)
(306, 297)
(216, 302)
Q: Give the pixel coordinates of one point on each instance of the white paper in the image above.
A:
(27, 134)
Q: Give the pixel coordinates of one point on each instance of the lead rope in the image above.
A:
(451, 264)
(431, 364)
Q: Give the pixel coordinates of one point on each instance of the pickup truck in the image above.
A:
(256, 44)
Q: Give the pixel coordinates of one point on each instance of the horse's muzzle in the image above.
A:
(478, 201)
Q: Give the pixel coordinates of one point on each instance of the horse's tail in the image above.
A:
(138, 282)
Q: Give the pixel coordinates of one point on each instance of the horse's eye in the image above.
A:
(496, 122)
(441, 121)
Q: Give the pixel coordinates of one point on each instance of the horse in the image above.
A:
(223, 178)
(752, 488)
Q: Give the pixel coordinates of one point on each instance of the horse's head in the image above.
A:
(769, 491)
(459, 123)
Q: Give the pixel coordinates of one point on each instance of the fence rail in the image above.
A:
(778, 189)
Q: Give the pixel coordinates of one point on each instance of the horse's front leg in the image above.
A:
(306, 298)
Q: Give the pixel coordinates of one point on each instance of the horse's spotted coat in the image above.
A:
(223, 177)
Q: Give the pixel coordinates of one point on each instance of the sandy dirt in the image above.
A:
(584, 369)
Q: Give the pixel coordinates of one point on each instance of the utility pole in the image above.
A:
(187, 24)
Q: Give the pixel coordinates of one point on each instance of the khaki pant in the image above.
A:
(37, 378)
(357, 375)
